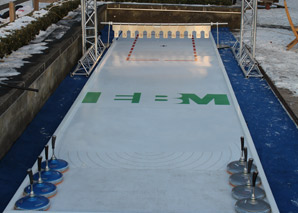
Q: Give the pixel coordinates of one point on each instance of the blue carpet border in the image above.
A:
(274, 133)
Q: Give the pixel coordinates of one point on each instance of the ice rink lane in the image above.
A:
(152, 135)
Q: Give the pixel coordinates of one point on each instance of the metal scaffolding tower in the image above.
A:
(245, 47)
(92, 46)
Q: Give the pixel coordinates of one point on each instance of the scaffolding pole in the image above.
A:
(244, 48)
(92, 46)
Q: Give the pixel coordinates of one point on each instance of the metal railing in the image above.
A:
(217, 24)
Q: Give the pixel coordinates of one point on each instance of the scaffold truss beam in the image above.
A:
(89, 59)
(245, 47)
(92, 46)
(89, 23)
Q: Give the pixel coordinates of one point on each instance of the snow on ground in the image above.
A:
(279, 64)
(17, 24)
(273, 35)
(16, 59)
(22, 19)
(271, 53)
(26, 9)
(10, 64)
(277, 16)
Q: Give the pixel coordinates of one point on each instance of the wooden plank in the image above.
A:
(36, 5)
(295, 41)
(12, 12)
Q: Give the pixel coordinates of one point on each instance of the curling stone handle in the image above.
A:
(245, 153)
(249, 165)
(54, 137)
(29, 172)
(47, 152)
(242, 143)
(39, 163)
(254, 178)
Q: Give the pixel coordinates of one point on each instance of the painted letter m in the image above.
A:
(219, 99)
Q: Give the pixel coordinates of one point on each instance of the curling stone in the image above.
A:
(32, 202)
(245, 191)
(54, 163)
(238, 165)
(48, 175)
(252, 204)
(242, 178)
(40, 187)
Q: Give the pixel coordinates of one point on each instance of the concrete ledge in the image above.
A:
(285, 96)
(18, 107)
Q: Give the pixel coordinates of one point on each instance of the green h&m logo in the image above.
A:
(219, 99)
(186, 98)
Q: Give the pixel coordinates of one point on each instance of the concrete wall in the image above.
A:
(173, 14)
(18, 107)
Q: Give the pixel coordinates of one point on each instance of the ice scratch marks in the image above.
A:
(154, 160)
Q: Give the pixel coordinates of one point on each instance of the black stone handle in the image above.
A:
(47, 152)
(254, 178)
(54, 137)
(29, 172)
(242, 143)
(249, 165)
(245, 153)
(39, 163)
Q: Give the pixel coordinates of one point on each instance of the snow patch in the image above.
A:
(17, 59)
(16, 25)
(22, 20)
(24, 11)
(10, 64)
(295, 202)
(40, 13)
(279, 64)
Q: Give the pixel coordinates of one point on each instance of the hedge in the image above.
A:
(24, 35)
